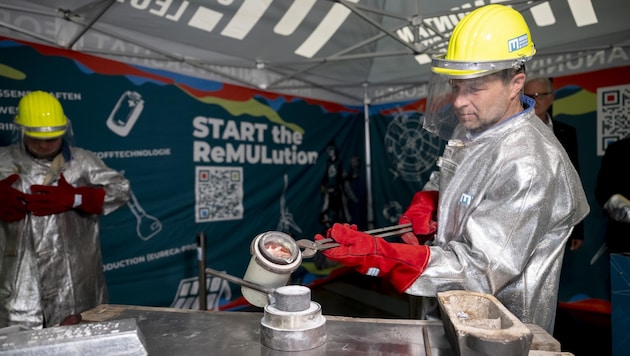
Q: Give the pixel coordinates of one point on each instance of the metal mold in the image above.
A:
(477, 324)
(292, 322)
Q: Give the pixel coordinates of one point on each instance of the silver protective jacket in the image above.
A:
(508, 201)
(51, 266)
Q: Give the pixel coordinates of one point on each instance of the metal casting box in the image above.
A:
(477, 324)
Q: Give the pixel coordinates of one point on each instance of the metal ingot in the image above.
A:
(292, 322)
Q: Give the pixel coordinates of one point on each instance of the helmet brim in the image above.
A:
(44, 135)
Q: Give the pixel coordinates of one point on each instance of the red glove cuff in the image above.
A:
(422, 214)
(401, 264)
(92, 199)
(12, 203)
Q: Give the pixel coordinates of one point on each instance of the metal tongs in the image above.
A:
(311, 247)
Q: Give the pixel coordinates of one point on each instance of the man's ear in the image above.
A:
(517, 85)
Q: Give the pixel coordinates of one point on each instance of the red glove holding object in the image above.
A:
(12, 204)
(422, 214)
(49, 199)
(374, 256)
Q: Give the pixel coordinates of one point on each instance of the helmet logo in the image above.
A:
(517, 43)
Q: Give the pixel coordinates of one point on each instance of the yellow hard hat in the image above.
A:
(490, 38)
(40, 115)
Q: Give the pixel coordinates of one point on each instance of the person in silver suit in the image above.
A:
(51, 197)
(497, 214)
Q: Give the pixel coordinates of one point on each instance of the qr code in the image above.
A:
(613, 115)
(218, 193)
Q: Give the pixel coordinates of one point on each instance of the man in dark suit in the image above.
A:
(541, 90)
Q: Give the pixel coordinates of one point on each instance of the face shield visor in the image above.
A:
(441, 117)
(21, 134)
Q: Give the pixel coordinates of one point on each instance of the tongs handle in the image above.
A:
(390, 230)
(311, 247)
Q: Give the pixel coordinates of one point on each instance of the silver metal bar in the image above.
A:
(201, 267)
(240, 281)
(427, 343)
(599, 253)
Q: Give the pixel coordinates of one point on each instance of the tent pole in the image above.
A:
(368, 157)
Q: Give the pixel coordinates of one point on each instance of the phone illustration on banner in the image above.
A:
(126, 112)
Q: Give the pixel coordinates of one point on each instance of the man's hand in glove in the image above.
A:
(12, 204)
(402, 264)
(422, 214)
(49, 200)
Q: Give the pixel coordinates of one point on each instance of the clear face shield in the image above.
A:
(441, 118)
(43, 142)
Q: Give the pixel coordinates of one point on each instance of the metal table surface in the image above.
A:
(169, 331)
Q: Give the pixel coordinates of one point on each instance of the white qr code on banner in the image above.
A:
(613, 115)
(218, 193)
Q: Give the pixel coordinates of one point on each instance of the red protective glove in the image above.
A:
(402, 264)
(71, 319)
(12, 204)
(49, 199)
(422, 214)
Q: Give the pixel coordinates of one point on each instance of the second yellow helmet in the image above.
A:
(40, 115)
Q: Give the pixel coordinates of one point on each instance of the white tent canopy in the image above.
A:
(352, 52)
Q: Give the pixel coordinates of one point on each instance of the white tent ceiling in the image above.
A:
(346, 51)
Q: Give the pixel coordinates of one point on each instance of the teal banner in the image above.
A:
(403, 155)
(201, 156)
(229, 162)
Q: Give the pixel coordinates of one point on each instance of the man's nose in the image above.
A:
(460, 99)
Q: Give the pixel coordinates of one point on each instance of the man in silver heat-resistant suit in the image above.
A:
(506, 198)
